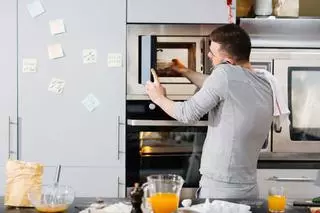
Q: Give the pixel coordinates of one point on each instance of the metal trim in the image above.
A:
(163, 123)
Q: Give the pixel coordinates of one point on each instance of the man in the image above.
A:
(240, 106)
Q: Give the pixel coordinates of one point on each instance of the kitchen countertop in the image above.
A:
(258, 206)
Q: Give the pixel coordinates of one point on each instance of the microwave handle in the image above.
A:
(277, 128)
(163, 123)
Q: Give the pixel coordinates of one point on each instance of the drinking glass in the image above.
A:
(277, 199)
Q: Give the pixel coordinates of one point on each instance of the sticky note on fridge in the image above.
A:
(89, 56)
(35, 8)
(57, 26)
(29, 65)
(114, 59)
(91, 102)
(56, 85)
(55, 51)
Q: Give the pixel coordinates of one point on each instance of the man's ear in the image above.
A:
(229, 60)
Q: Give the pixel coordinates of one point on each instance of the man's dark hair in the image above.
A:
(234, 40)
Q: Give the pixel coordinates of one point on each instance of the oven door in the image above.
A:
(300, 83)
(162, 147)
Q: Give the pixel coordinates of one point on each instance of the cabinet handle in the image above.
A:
(118, 186)
(118, 137)
(19, 123)
(291, 179)
(9, 137)
(118, 141)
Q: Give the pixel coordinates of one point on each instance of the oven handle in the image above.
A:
(289, 179)
(163, 123)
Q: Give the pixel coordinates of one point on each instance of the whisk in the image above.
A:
(53, 199)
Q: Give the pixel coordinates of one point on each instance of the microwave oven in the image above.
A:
(154, 46)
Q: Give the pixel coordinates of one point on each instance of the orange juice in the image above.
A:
(164, 202)
(52, 208)
(276, 203)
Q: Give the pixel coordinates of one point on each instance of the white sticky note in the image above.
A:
(56, 85)
(35, 8)
(55, 51)
(91, 102)
(114, 60)
(29, 65)
(57, 26)
(89, 56)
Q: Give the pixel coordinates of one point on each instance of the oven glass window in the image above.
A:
(162, 152)
(304, 104)
(185, 52)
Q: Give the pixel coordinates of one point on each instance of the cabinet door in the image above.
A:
(8, 82)
(298, 183)
(179, 11)
(90, 181)
(58, 128)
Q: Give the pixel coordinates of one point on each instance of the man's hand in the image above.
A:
(177, 66)
(154, 89)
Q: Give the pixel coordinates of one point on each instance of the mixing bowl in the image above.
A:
(51, 198)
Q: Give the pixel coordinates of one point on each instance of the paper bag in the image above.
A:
(20, 178)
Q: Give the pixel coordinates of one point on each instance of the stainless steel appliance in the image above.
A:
(157, 144)
(300, 77)
(295, 57)
(154, 46)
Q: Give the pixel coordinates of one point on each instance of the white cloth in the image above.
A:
(219, 206)
(114, 208)
(280, 106)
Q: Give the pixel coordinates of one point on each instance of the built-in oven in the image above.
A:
(298, 72)
(154, 46)
(158, 144)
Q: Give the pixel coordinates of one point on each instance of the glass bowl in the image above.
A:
(51, 198)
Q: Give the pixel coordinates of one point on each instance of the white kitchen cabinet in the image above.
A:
(298, 183)
(179, 11)
(56, 128)
(90, 181)
(8, 86)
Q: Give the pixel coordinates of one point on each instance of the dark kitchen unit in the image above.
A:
(158, 144)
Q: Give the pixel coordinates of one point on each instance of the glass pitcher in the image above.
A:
(162, 193)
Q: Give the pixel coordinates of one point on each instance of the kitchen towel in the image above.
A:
(113, 208)
(218, 206)
(280, 106)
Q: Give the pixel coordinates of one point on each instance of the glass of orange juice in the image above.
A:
(276, 199)
(162, 193)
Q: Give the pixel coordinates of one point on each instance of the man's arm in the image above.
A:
(194, 76)
(212, 92)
